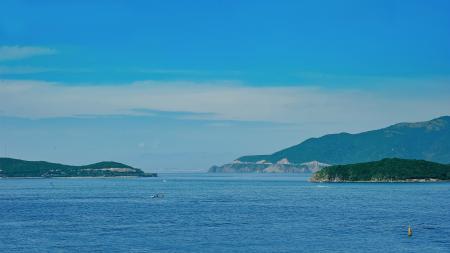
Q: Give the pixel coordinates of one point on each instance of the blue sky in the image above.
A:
(187, 84)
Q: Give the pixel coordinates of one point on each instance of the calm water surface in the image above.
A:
(221, 213)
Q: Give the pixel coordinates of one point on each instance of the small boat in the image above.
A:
(409, 231)
(158, 196)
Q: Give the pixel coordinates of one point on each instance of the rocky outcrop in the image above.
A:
(262, 166)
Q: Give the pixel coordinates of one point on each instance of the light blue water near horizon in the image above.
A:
(222, 213)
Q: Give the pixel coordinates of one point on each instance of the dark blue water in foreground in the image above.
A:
(221, 213)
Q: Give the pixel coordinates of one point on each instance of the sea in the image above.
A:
(215, 213)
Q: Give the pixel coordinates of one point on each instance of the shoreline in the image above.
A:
(431, 180)
(74, 177)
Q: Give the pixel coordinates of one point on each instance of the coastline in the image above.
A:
(430, 180)
(90, 177)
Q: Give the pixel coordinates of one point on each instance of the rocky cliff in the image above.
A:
(262, 166)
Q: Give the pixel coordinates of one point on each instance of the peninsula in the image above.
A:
(282, 166)
(386, 170)
(14, 168)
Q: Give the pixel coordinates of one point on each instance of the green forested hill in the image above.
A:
(389, 169)
(10, 167)
(428, 140)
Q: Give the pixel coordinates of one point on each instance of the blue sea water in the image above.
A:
(222, 213)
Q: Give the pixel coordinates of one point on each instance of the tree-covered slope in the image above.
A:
(19, 168)
(428, 140)
(389, 169)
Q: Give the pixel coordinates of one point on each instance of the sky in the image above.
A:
(182, 85)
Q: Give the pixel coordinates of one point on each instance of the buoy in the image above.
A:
(409, 231)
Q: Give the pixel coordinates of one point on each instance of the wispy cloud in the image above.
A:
(169, 71)
(219, 101)
(173, 114)
(23, 70)
(19, 70)
(184, 72)
(20, 52)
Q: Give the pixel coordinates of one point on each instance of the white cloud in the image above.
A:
(221, 101)
(21, 52)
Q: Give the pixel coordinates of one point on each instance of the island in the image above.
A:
(385, 170)
(15, 168)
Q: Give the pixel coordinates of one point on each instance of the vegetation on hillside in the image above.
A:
(428, 140)
(389, 169)
(19, 168)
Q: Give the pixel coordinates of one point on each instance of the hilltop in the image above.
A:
(429, 140)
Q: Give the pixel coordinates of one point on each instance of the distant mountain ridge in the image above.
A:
(10, 167)
(428, 140)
